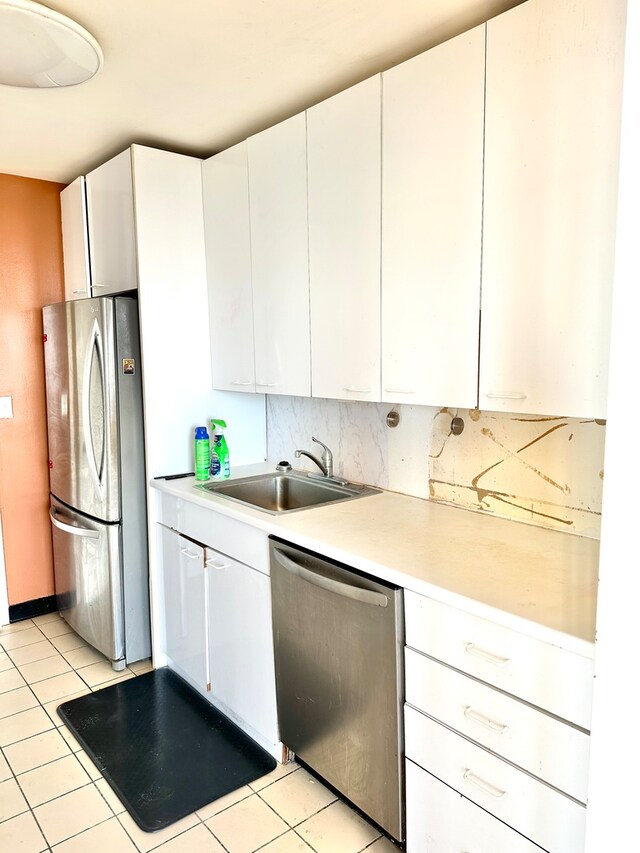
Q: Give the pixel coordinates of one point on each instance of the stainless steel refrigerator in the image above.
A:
(97, 473)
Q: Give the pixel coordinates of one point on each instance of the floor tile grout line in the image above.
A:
(44, 763)
(58, 796)
(76, 834)
(291, 825)
(208, 828)
(275, 781)
(262, 846)
(30, 808)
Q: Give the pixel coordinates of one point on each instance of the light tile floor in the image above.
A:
(52, 797)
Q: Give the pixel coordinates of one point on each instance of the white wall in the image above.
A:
(612, 813)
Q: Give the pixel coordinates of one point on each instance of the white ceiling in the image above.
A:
(196, 76)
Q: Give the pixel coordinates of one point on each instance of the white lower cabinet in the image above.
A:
(217, 630)
(542, 814)
(483, 718)
(240, 649)
(440, 820)
(184, 614)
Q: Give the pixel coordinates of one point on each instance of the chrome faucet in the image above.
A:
(326, 465)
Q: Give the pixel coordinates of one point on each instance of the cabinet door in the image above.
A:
(75, 247)
(183, 578)
(554, 72)
(241, 643)
(111, 228)
(225, 180)
(432, 138)
(280, 257)
(344, 243)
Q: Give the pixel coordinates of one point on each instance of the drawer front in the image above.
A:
(532, 808)
(544, 675)
(234, 538)
(439, 820)
(544, 746)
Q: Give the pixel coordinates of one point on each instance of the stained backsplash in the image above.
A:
(542, 470)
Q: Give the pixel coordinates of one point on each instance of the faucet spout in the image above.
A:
(313, 458)
(326, 465)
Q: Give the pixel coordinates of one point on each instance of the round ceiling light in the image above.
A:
(40, 48)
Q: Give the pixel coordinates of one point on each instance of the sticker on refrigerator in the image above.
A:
(128, 366)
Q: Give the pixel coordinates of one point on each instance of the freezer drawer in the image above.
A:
(88, 578)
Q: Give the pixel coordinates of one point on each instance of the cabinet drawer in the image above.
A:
(544, 675)
(546, 747)
(234, 538)
(547, 817)
(439, 820)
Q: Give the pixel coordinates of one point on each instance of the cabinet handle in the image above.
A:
(188, 554)
(353, 390)
(98, 285)
(472, 649)
(266, 384)
(485, 787)
(486, 722)
(217, 564)
(399, 391)
(516, 395)
(240, 382)
(78, 291)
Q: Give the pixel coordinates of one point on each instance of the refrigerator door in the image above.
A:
(88, 578)
(82, 405)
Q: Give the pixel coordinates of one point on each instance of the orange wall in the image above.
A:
(30, 276)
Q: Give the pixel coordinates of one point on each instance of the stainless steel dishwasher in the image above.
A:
(338, 638)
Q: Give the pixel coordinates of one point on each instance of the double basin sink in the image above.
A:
(281, 492)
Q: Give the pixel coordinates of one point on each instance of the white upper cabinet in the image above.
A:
(432, 137)
(111, 226)
(75, 247)
(225, 180)
(554, 72)
(343, 138)
(280, 257)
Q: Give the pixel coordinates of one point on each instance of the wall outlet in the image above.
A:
(6, 407)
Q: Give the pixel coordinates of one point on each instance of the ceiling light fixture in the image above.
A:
(40, 48)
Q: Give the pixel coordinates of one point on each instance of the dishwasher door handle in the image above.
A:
(364, 596)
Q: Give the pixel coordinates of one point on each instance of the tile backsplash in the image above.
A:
(542, 470)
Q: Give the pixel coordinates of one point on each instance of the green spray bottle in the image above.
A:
(219, 468)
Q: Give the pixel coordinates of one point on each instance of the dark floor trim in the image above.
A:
(35, 607)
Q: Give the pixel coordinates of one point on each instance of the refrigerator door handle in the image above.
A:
(94, 349)
(75, 530)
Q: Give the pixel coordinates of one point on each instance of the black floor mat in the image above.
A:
(162, 747)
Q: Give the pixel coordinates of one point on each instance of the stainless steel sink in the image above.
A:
(286, 492)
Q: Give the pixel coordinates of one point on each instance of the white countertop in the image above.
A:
(541, 582)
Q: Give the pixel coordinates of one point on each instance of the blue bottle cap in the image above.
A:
(201, 432)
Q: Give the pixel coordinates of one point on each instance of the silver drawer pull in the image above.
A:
(240, 382)
(472, 649)
(188, 554)
(482, 785)
(352, 390)
(515, 395)
(486, 722)
(216, 564)
(399, 391)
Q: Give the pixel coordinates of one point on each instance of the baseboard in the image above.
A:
(35, 607)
